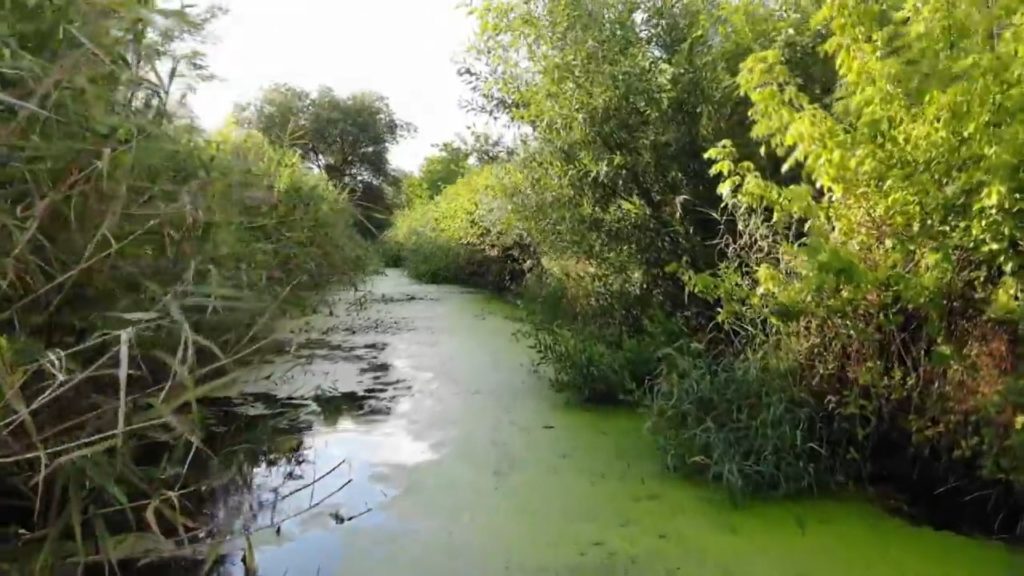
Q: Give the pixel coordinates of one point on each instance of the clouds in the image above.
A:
(404, 49)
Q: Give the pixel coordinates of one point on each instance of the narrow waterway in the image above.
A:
(430, 446)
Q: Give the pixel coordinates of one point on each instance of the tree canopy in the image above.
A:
(347, 138)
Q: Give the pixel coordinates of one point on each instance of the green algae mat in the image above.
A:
(466, 464)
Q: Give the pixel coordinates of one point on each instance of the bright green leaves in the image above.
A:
(1008, 299)
(439, 171)
(466, 233)
(890, 249)
(910, 159)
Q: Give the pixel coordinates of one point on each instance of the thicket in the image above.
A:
(792, 230)
(141, 262)
(456, 225)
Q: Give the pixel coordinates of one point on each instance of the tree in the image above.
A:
(438, 171)
(347, 138)
(452, 160)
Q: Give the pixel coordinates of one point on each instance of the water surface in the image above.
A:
(458, 459)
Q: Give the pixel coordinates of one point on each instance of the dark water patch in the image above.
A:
(377, 325)
(336, 406)
(378, 399)
(375, 368)
(383, 380)
(319, 365)
(242, 435)
(931, 492)
(328, 350)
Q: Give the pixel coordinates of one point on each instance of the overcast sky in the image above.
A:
(404, 49)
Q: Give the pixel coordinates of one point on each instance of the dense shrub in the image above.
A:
(463, 234)
(855, 281)
(895, 261)
(599, 363)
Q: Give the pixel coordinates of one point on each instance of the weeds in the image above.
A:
(141, 262)
(741, 423)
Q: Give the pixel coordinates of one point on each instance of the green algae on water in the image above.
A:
(482, 470)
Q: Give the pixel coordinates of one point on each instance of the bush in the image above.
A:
(596, 360)
(896, 268)
(463, 235)
(743, 423)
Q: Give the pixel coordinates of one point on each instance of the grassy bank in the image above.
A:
(142, 261)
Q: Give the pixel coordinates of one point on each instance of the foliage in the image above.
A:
(141, 261)
(464, 234)
(895, 260)
(346, 138)
(438, 171)
(841, 273)
(452, 160)
(621, 100)
(742, 423)
(595, 362)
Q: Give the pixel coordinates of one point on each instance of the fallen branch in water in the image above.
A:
(312, 482)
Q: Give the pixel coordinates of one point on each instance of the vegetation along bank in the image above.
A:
(142, 260)
(791, 231)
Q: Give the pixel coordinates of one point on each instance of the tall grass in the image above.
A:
(141, 261)
(741, 422)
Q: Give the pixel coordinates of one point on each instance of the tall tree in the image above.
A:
(347, 138)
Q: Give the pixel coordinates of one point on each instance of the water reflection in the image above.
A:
(344, 396)
(343, 476)
(304, 446)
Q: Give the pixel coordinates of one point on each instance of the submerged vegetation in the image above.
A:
(142, 261)
(792, 231)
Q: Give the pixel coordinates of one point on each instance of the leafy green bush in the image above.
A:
(587, 338)
(463, 234)
(895, 260)
(598, 365)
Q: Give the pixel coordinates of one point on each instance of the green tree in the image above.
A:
(347, 138)
(438, 171)
(451, 161)
(619, 101)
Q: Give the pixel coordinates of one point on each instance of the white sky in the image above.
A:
(404, 49)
